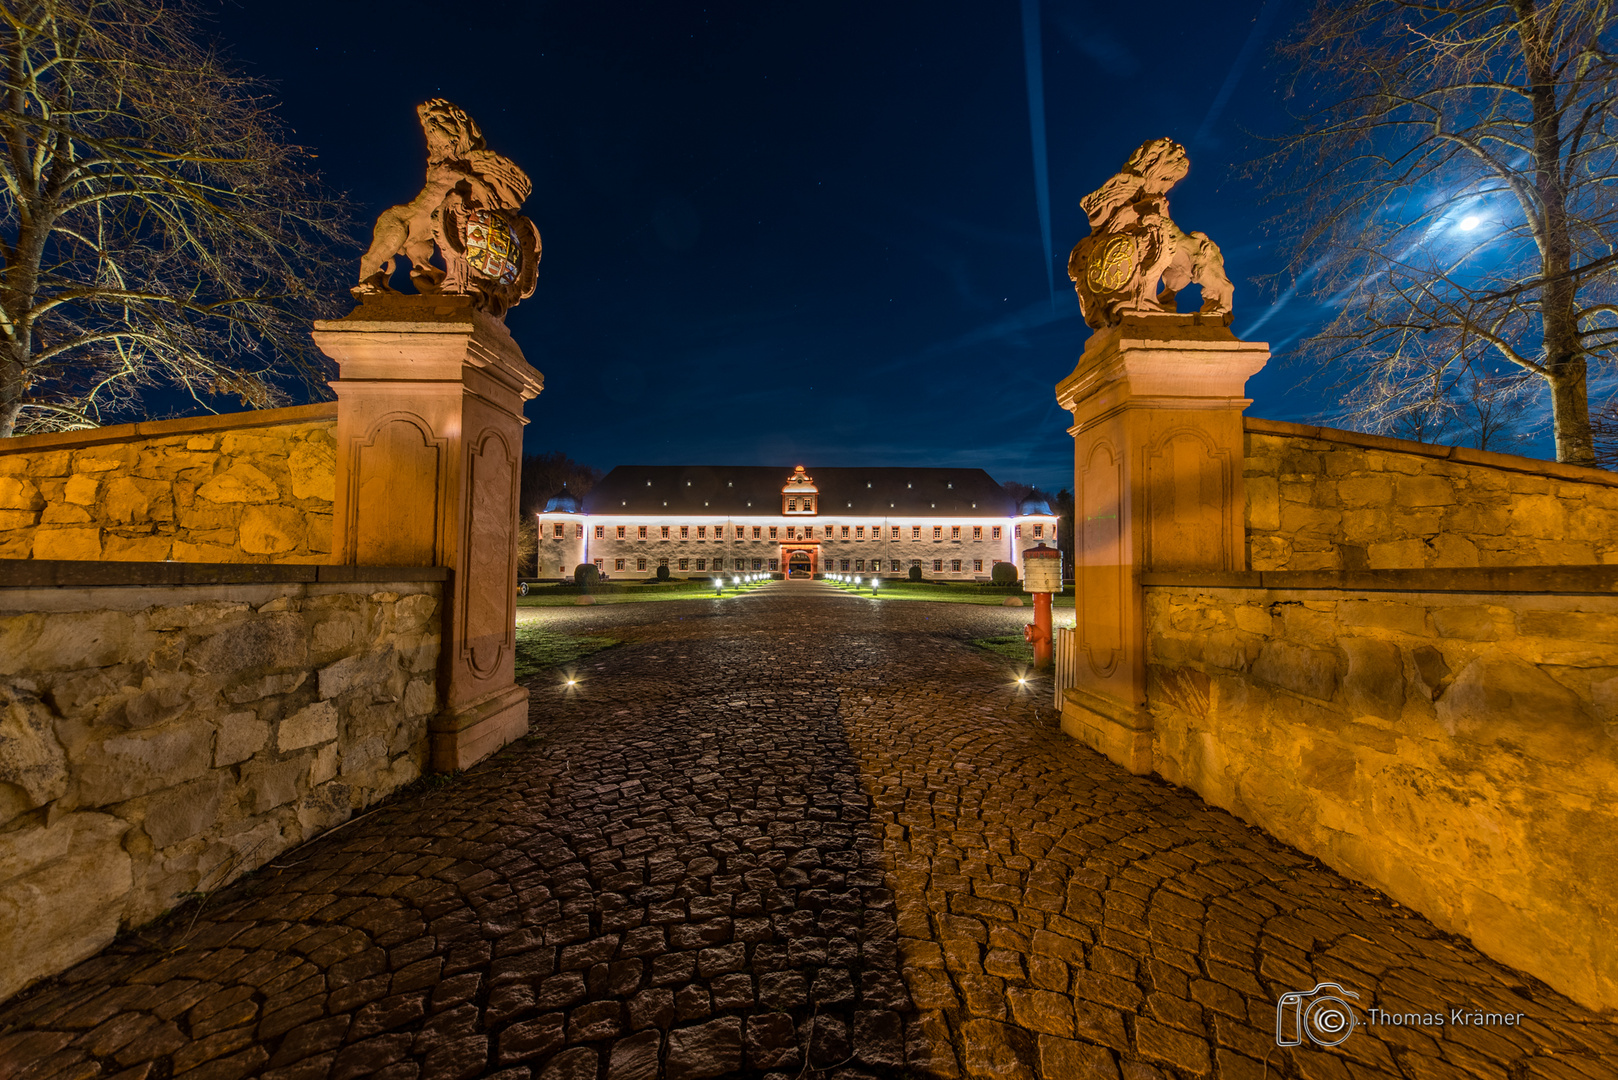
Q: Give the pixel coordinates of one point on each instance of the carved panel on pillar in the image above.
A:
(1102, 560)
(489, 612)
(1188, 502)
(395, 477)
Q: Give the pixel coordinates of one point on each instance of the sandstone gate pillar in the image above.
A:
(1157, 406)
(429, 453)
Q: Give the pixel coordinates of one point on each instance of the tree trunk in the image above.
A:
(1570, 412)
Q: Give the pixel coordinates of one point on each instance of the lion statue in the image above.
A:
(467, 211)
(1134, 247)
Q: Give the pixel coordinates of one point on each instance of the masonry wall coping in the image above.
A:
(54, 573)
(185, 425)
(1598, 580)
(1463, 455)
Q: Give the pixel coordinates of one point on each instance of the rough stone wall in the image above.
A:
(1457, 750)
(248, 487)
(160, 741)
(1319, 499)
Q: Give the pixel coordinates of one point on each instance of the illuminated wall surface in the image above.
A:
(953, 523)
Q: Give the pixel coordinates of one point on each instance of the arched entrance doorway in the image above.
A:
(800, 565)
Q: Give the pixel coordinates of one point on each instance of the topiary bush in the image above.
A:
(662, 573)
(1004, 573)
(915, 573)
(586, 574)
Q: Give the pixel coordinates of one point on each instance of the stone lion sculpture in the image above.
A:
(1134, 247)
(467, 211)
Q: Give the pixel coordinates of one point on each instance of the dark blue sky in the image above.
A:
(805, 233)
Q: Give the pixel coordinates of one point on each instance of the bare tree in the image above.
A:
(156, 230)
(1452, 197)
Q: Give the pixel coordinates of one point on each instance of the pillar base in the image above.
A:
(460, 738)
(1118, 732)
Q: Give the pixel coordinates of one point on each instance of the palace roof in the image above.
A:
(727, 490)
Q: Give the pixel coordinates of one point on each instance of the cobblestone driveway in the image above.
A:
(794, 834)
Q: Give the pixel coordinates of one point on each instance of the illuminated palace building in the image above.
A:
(953, 523)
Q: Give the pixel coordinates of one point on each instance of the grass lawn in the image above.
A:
(950, 592)
(626, 593)
(539, 647)
(1010, 646)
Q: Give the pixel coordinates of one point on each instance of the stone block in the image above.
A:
(185, 811)
(1471, 622)
(374, 671)
(17, 519)
(324, 767)
(266, 786)
(420, 697)
(122, 766)
(131, 500)
(1310, 672)
(1374, 684)
(260, 688)
(82, 545)
(103, 459)
(1499, 700)
(20, 493)
(271, 530)
(241, 483)
(241, 735)
(1540, 517)
(67, 641)
(81, 490)
(1360, 491)
(1384, 615)
(276, 641)
(64, 514)
(1263, 503)
(1424, 491)
(1449, 549)
(309, 726)
(31, 758)
(1397, 555)
(137, 548)
(62, 891)
(313, 465)
(317, 532)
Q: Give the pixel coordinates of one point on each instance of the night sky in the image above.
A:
(805, 233)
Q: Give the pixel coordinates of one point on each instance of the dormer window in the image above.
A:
(798, 493)
(792, 506)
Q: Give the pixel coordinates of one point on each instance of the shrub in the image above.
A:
(586, 574)
(915, 573)
(662, 573)
(1004, 573)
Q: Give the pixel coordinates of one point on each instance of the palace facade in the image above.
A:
(699, 520)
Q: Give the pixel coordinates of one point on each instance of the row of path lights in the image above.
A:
(737, 582)
(856, 581)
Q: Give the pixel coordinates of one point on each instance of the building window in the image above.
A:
(938, 532)
(994, 532)
(977, 564)
(808, 505)
(828, 530)
(719, 564)
(792, 532)
(642, 531)
(622, 531)
(845, 532)
(859, 532)
(792, 506)
(640, 564)
(954, 532)
(557, 531)
(702, 534)
(662, 562)
(845, 564)
(1016, 530)
(955, 566)
(775, 564)
(665, 532)
(772, 532)
(600, 563)
(893, 567)
(685, 564)
(685, 532)
(915, 532)
(896, 532)
(561, 568)
(740, 532)
(1039, 530)
(601, 531)
(758, 531)
(938, 566)
(977, 534)
(617, 564)
(859, 564)
(758, 564)
(702, 564)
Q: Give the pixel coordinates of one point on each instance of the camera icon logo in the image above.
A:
(1320, 1014)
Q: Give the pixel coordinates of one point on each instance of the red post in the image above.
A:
(1042, 631)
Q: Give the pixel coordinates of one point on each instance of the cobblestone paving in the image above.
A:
(796, 834)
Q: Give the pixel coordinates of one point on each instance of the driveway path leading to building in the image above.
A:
(791, 834)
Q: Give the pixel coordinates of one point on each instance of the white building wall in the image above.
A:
(707, 539)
